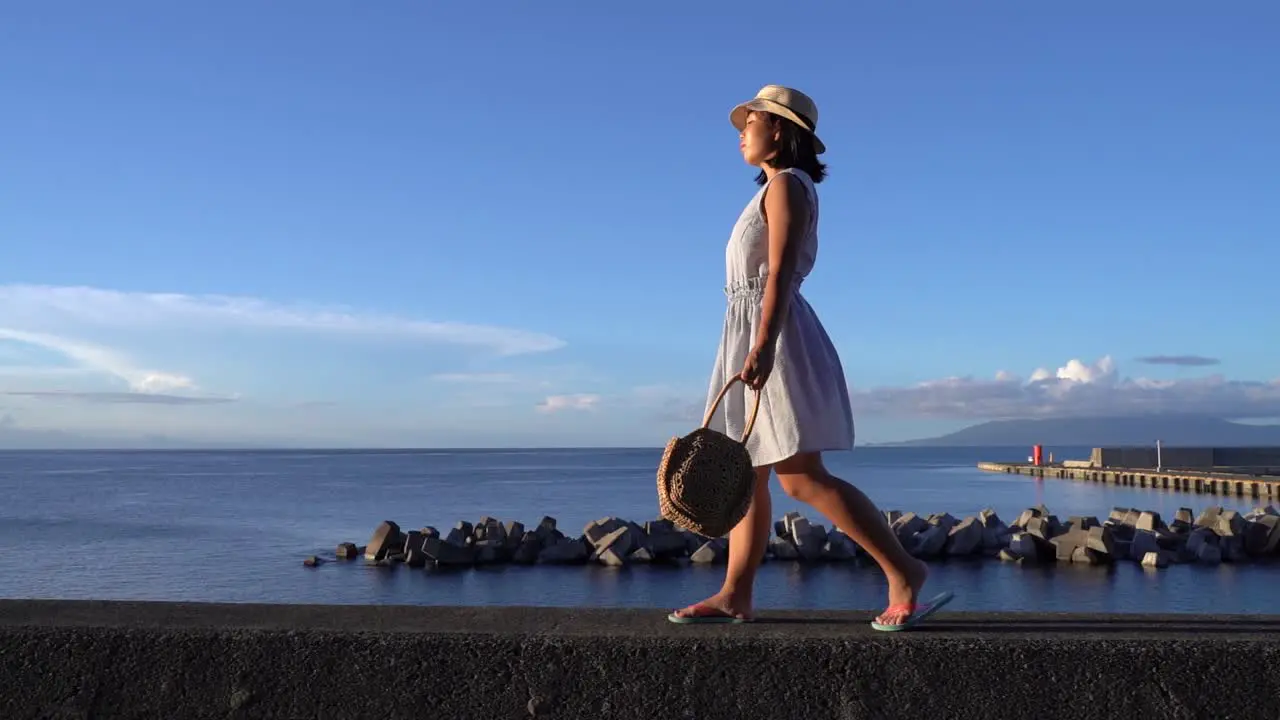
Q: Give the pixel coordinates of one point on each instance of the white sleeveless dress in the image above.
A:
(804, 405)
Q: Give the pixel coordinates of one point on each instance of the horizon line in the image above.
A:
(495, 448)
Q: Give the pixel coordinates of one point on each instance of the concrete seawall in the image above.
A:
(68, 659)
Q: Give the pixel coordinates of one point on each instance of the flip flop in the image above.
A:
(918, 613)
(713, 616)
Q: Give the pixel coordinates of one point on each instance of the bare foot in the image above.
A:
(723, 603)
(903, 594)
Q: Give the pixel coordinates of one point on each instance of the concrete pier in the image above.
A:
(66, 659)
(1264, 487)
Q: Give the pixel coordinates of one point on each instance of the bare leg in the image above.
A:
(806, 479)
(747, 542)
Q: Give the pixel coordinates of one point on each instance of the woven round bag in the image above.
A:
(706, 479)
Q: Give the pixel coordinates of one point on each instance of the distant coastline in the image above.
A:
(1193, 430)
(1084, 432)
(1016, 450)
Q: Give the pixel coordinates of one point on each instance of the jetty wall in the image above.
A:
(1263, 487)
(1256, 460)
(92, 659)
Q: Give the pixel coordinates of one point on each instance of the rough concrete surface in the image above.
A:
(97, 659)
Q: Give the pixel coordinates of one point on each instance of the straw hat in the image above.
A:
(787, 102)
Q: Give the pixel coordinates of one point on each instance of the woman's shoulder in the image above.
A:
(789, 175)
(793, 176)
(789, 186)
(800, 174)
(797, 176)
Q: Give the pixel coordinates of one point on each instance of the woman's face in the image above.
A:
(758, 139)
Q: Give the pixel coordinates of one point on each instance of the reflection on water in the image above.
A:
(234, 527)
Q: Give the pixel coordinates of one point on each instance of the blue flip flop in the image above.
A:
(718, 618)
(918, 613)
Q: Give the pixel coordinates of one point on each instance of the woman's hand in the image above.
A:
(758, 367)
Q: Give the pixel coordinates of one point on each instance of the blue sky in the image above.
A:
(421, 223)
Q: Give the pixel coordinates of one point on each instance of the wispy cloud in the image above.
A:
(1183, 360)
(654, 403)
(104, 360)
(31, 306)
(121, 398)
(1077, 389)
(560, 403)
(462, 378)
(314, 405)
(667, 403)
(40, 371)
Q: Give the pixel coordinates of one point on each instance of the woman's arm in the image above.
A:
(786, 208)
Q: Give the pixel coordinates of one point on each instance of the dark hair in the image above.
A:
(795, 150)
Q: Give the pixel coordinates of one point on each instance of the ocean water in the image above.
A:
(235, 527)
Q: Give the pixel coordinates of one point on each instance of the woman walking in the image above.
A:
(773, 341)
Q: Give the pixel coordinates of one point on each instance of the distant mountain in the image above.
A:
(1184, 430)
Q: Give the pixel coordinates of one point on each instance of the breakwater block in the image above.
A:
(97, 659)
(1036, 536)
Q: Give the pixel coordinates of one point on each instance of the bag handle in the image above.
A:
(755, 410)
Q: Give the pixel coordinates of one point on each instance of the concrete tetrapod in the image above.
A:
(1036, 536)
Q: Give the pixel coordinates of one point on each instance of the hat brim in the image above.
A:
(738, 117)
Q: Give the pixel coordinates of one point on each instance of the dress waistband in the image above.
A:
(753, 287)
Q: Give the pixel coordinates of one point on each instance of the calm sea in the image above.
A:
(235, 526)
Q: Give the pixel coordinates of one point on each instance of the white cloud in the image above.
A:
(1076, 389)
(1103, 371)
(559, 403)
(95, 358)
(37, 307)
